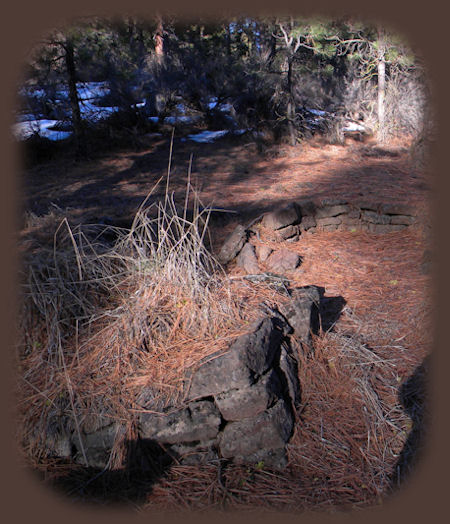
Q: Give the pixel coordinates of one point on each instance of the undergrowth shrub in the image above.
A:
(100, 323)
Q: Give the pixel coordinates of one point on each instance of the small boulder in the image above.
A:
(263, 252)
(287, 233)
(282, 217)
(307, 223)
(374, 218)
(302, 312)
(402, 220)
(283, 260)
(247, 259)
(332, 211)
(398, 209)
(238, 404)
(268, 431)
(233, 245)
(200, 421)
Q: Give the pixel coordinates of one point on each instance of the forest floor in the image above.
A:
(334, 460)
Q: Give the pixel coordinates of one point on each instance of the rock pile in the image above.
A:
(239, 404)
(289, 222)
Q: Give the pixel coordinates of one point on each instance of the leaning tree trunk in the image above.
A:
(73, 98)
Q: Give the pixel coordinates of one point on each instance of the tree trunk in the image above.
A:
(290, 111)
(381, 70)
(159, 40)
(228, 40)
(73, 98)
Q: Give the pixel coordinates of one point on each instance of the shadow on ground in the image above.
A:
(413, 396)
(146, 463)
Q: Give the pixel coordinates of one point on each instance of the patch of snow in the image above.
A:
(207, 136)
(23, 130)
(226, 108)
(353, 126)
(181, 108)
(212, 102)
(90, 90)
(95, 113)
(317, 112)
(182, 119)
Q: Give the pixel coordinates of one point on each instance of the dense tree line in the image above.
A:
(269, 72)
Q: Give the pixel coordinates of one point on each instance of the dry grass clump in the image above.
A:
(106, 330)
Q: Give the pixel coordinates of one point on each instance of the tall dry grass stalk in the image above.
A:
(103, 324)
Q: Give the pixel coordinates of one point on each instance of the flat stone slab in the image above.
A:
(397, 209)
(248, 402)
(263, 252)
(233, 245)
(200, 421)
(302, 312)
(289, 368)
(282, 260)
(249, 356)
(221, 372)
(269, 430)
(328, 221)
(307, 223)
(402, 220)
(282, 217)
(332, 211)
(374, 218)
(247, 259)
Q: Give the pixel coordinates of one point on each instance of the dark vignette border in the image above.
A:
(425, 26)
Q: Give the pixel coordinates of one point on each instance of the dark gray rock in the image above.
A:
(398, 209)
(307, 208)
(332, 211)
(328, 221)
(384, 228)
(59, 444)
(97, 446)
(287, 232)
(354, 213)
(219, 373)
(330, 227)
(332, 202)
(195, 453)
(238, 404)
(371, 206)
(307, 223)
(302, 312)
(263, 458)
(282, 217)
(249, 356)
(374, 218)
(282, 260)
(402, 220)
(268, 431)
(247, 259)
(347, 220)
(259, 348)
(263, 252)
(289, 368)
(200, 421)
(232, 245)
